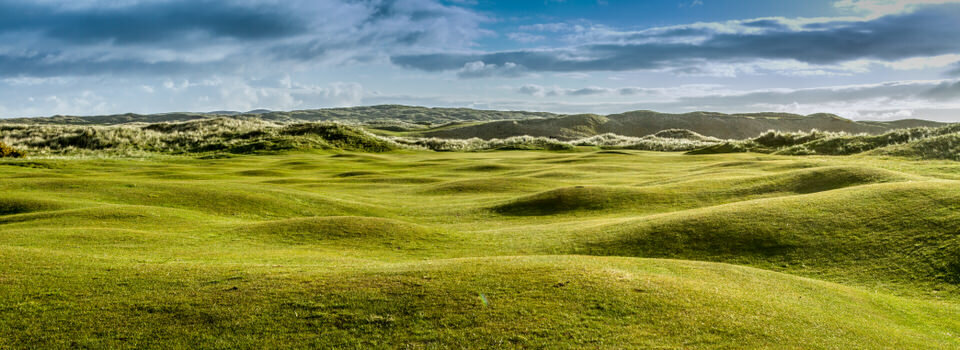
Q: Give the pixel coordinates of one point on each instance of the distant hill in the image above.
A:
(418, 115)
(489, 124)
(641, 123)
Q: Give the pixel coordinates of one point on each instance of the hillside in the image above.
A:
(918, 143)
(408, 114)
(465, 123)
(523, 249)
(641, 123)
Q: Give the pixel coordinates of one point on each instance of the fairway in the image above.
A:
(539, 249)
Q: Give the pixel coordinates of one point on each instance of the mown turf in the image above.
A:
(406, 249)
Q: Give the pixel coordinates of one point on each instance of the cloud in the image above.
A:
(925, 32)
(587, 91)
(542, 91)
(532, 90)
(86, 96)
(155, 37)
(478, 69)
(525, 37)
(946, 91)
(955, 72)
(878, 101)
(572, 75)
(690, 4)
(150, 22)
(885, 7)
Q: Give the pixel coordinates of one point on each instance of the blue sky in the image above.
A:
(861, 59)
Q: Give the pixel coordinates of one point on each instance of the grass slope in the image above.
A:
(411, 249)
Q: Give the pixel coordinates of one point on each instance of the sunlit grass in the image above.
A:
(479, 250)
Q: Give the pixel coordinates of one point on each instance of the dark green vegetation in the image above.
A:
(641, 123)
(414, 249)
(920, 143)
(10, 152)
(464, 123)
(219, 135)
(387, 116)
(222, 136)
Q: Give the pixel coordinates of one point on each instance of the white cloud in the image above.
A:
(876, 8)
(525, 38)
(479, 69)
(573, 75)
(923, 62)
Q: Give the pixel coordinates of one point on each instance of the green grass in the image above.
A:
(518, 249)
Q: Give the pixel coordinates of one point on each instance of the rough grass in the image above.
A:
(845, 233)
(487, 185)
(402, 249)
(936, 147)
(694, 192)
(317, 230)
(919, 142)
(230, 135)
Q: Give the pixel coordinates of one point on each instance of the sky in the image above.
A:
(860, 59)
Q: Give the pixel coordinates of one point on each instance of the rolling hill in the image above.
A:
(521, 249)
(407, 114)
(464, 123)
(642, 123)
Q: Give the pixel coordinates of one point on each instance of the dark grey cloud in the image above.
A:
(891, 91)
(946, 91)
(929, 31)
(929, 91)
(480, 70)
(587, 91)
(149, 22)
(49, 65)
(765, 24)
(955, 72)
(92, 37)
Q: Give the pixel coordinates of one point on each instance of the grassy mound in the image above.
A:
(19, 204)
(221, 199)
(260, 173)
(820, 179)
(726, 147)
(113, 216)
(487, 168)
(515, 302)
(488, 185)
(694, 193)
(575, 198)
(938, 147)
(899, 231)
(316, 230)
(358, 173)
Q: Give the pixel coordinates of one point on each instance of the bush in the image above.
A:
(780, 139)
(10, 152)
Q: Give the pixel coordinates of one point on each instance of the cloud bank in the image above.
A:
(924, 32)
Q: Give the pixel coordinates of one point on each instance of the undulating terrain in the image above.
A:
(524, 248)
(251, 233)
